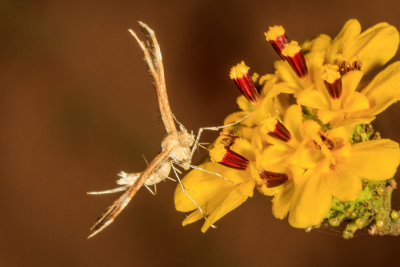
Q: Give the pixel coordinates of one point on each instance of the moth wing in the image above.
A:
(115, 209)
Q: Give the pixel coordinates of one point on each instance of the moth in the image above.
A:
(177, 147)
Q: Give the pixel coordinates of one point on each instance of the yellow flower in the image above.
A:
(353, 104)
(298, 142)
(330, 74)
(254, 104)
(288, 141)
(374, 47)
(213, 194)
(324, 165)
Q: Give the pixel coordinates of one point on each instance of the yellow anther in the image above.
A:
(330, 73)
(218, 152)
(239, 71)
(274, 32)
(268, 125)
(291, 49)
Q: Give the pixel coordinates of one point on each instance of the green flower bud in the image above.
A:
(380, 224)
(381, 190)
(394, 215)
(360, 223)
(347, 234)
(334, 222)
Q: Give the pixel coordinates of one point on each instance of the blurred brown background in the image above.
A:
(77, 106)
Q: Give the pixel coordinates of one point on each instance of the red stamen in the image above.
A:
(273, 179)
(247, 88)
(335, 88)
(279, 44)
(280, 132)
(295, 58)
(234, 160)
(298, 64)
(277, 38)
(222, 154)
(332, 80)
(242, 79)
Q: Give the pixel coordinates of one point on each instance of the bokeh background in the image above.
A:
(77, 106)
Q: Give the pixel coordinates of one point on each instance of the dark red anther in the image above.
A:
(234, 160)
(280, 132)
(277, 38)
(273, 179)
(298, 64)
(335, 88)
(278, 44)
(247, 87)
(295, 58)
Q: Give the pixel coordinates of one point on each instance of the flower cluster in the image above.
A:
(303, 135)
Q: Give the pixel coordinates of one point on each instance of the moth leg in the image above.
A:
(151, 191)
(170, 178)
(187, 194)
(215, 128)
(110, 191)
(215, 173)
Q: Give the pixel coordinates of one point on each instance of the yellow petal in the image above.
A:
(244, 148)
(315, 61)
(339, 134)
(286, 73)
(244, 132)
(322, 42)
(350, 81)
(384, 89)
(349, 32)
(213, 194)
(256, 138)
(327, 116)
(282, 202)
(306, 158)
(376, 159)
(375, 46)
(284, 87)
(192, 217)
(206, 189)
(244, 104)
(313, 99)
(268, 81)
(233, 200)
(356, 102)
(269, 191)
(293, 121)
(275, 155)
(311, 202)
(310, 129)
(345, 184)
(351, 123)
(264, 107)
